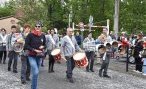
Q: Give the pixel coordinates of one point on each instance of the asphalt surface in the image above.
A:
(83, 80)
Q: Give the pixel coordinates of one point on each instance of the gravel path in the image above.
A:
(83, 79)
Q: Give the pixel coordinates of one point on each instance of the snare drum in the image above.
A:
(80, 59)
(56, 53)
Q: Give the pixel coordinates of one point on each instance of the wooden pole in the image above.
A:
(116, 18)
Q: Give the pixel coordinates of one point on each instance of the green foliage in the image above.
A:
(133, 15)
(6, 11)
(53, 14)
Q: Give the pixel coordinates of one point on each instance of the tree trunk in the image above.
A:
(116, 18)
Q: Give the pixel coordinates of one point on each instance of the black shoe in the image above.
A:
(92, 70)
(106, 76)
(15, 71)
(23, 82)
(28, 79)
(71, 80)
(4, 62)
(9, 69)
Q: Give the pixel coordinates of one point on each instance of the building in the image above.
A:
(7, 22)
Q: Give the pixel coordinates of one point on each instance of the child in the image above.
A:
(105, 62)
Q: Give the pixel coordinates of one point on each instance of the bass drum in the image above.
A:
(100, 48)
(121, 49)
(18, 47)
(80, 59)
(56, 53)
(114, 44)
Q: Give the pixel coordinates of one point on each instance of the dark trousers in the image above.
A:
(42, 61)
(70, 66)
(3, 55)
(13, 56)
(51, 62)
(90, 56)
(104, 66)
(139, 64)
(25, 68)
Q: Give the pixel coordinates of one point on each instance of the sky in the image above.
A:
(2, 1)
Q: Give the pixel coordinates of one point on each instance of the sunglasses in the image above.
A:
(38, 26)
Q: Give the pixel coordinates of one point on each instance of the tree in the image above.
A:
(6, 10)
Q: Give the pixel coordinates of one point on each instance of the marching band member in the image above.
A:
(52, 42)
(35, 44)
(68, 48)
(3, 52)
(13, 56)
(42, 59)
(90, 51)
(100, 40)
(105, 62)
(25, 67)
(107, 55)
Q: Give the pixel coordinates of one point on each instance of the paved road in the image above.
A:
(83, 79)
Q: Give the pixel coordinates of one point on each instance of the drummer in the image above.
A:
(52, 42)
(105, 62)
(68, 47)
(90, 51)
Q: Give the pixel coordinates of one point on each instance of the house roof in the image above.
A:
(7, 17)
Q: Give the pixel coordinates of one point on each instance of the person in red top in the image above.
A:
(124, 39)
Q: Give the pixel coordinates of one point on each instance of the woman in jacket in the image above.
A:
(35, 43)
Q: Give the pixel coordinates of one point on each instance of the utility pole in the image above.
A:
(108, 24)
(116, 18)
(70, 15)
